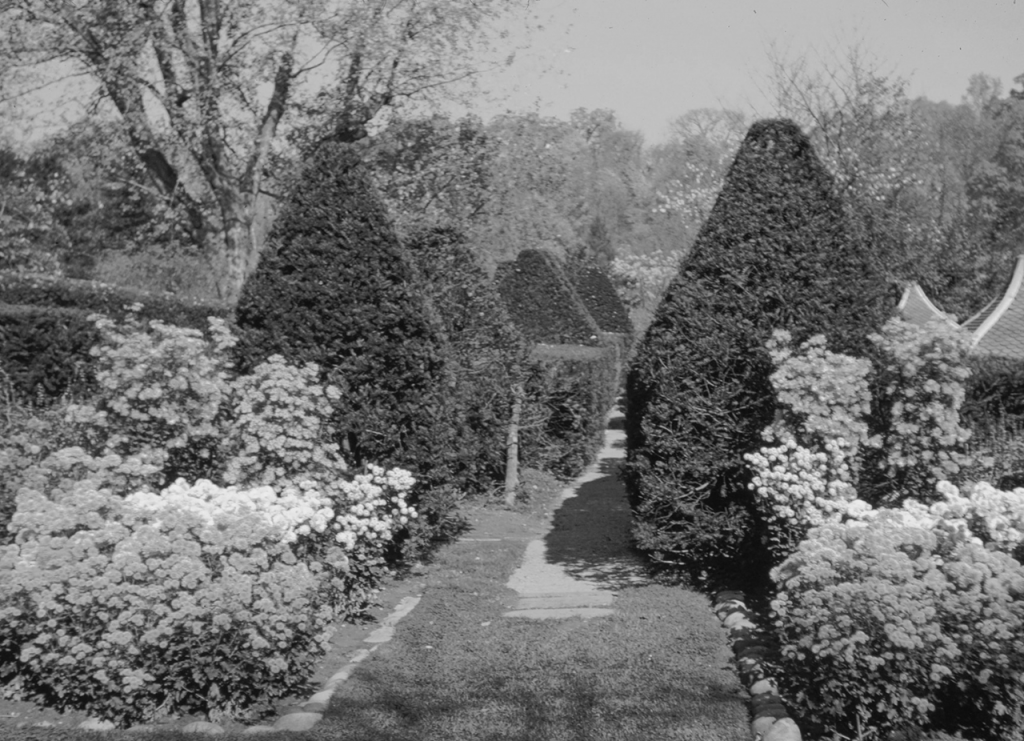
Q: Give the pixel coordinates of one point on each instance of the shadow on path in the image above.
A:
(590, 533)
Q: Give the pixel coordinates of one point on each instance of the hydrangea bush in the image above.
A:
(888, 622)
(797, 488)
(279, 430)
(125, 596)
(805, 475)
(197, 599)
(820, 459)
(162, 389)
(900, 593)
(921, 389)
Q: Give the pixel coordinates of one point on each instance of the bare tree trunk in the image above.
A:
(512, 446)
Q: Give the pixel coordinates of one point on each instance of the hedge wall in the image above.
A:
(542, 302)
(44, 351)
(569, 389)
(103, 298)
(776, 252)
(45, 335)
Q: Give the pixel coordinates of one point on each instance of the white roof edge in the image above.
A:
(906, 295)
(933, 307)
(915, 287)
(1004, 303)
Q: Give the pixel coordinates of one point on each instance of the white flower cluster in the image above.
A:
(986, 516)
(376, 506)
(802, 487)
(295, 512)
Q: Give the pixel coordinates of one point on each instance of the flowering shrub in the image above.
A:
(900, 614)
(985, 516)
(822, 396)
(123, 609)
(921, 382)
(197, 599)
(813, 472)
(805, 479)
(376, 508)
(279, 426)
(161, 389)
(123, 597)
(884, 623)
(797, 488)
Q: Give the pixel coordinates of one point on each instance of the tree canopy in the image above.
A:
(204, 90)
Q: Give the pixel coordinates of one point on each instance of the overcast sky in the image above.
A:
(652, 60)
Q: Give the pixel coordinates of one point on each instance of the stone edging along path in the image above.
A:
(770, 720)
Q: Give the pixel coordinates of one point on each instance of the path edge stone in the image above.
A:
(770, 719)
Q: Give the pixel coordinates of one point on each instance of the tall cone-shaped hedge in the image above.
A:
(335, 287)
(775, 253)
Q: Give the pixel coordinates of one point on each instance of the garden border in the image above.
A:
(770, 721)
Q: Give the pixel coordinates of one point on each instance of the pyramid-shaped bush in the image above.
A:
(335, 287)
(775, 253)
(542, 302)
(595, 290)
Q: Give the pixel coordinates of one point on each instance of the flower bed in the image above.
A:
(898, 584)
(128, 598)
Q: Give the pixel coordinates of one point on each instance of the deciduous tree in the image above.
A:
(203, 88)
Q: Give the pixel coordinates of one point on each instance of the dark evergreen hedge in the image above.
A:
(994, 389)
(486, 354)
(598, 295)
(336, 287)
(44, 351)
(542, 302)
(103, 298)
(775, 253)
(570, 389)
(45, 336)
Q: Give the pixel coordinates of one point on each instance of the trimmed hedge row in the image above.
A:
(569, 390)
(775, 253)
(542, 302)
(45, 334)
(44, 351)
(102, 298)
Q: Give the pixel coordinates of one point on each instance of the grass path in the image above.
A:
(459, 667)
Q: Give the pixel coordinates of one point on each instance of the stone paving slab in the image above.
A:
(570, 599)
(561, 613)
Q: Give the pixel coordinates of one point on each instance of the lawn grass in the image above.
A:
(456, 669)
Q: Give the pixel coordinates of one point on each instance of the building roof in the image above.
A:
(915, 307)
(998, 329)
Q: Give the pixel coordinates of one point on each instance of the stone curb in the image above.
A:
(312, 710)
(770, 720)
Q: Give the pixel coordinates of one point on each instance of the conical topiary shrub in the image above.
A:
(596, 291)
(335, 287)
(775, 253)
(542, 301)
